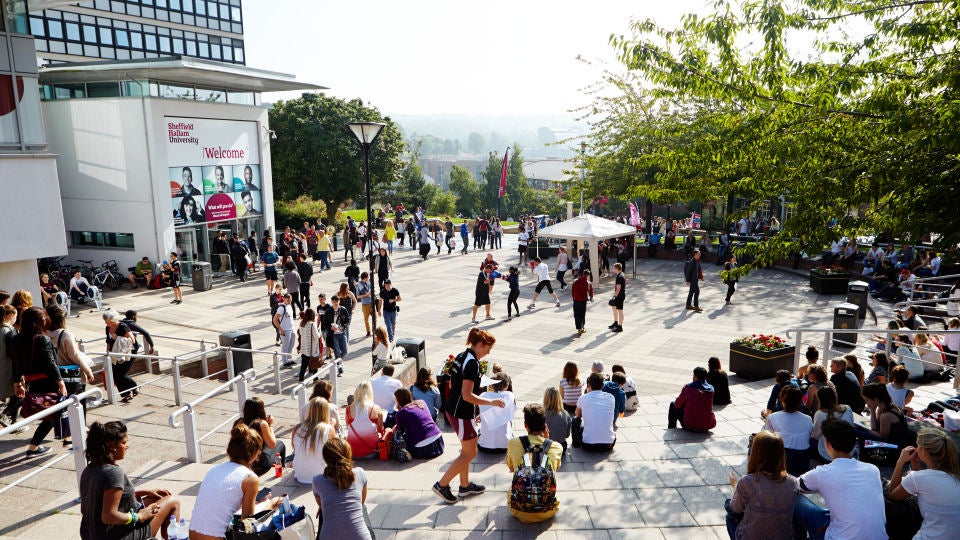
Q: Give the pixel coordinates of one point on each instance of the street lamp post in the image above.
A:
(366, 133)
(583, 171)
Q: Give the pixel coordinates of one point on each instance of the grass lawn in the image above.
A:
(361, 214)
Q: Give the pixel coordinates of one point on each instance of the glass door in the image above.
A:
(188, 250)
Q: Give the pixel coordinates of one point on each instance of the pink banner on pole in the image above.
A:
(503, 174)
(634, 215)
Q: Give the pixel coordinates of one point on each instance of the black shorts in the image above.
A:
(175, 280)
(482, 299)
(270, 274)
(544, 284)
(522, 249)
(616, 302)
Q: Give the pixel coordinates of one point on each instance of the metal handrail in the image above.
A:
(188, 412)
(299, 392)
(915, 287)
(78, 431)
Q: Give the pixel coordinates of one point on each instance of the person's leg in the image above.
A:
(44, 429)
(576, 432)
(366, 309)
(731, 288)
(390, 318)
(553, 294)
(288, 343)
(579, 311)
(813, 518)
(304, 366)
(732, 526)
(696, 294)
(304, 295)
(461, 466)
(690, 296)
(619, 313)
(122, 378)
(488, 310)
(169, 506)
(674, 415)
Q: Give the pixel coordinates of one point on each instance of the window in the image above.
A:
(204, 94)
(36, 27)
(178, 46)
(73, 31)
(106, 36)
(55, 29)
(84, 239)
(89, 34)
(123, 39)
(191, 48)
(103, 89)
(136, 40)
(151, 42)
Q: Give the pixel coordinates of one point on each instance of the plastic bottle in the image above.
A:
(184, 531)
(173, 529)
(277, 466)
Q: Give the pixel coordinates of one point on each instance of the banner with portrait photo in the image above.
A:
(213, 169)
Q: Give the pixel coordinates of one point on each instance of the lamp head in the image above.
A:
(366, 132)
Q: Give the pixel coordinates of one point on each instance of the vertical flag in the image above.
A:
(634, 215)
(503, 174)
(696, 220)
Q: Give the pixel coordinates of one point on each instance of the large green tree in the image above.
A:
(315, 154)
(846, 108)
(516, 183)
(466, 189)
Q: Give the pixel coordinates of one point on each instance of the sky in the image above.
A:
(430, 57)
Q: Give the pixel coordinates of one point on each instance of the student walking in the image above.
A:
(482, 293)
(581, 291)
(693, 273)
(542, 272)
(619, 295)
(283, 321)
(464, 237)
(513, 279)
(291, 282)
(731, 281)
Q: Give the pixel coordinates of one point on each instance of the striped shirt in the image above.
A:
(570, 393)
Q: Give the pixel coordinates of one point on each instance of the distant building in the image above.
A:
(438, 167)
(549, 174)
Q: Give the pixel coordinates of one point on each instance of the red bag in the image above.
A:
(383, 445)
(36, 402)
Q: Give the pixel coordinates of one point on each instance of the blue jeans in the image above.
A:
(813, 518)
(390, 320)
(693, 295)
(389, 247)
(338, 342)
(324, 260)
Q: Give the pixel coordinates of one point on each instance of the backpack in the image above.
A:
(534, 486)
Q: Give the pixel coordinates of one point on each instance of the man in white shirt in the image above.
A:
(522, 239)
(874, 256)
(743, 226)
(592, 428)
(383, 388)
(851, 489)
(542, 271)
(283, 320)
(78, 287)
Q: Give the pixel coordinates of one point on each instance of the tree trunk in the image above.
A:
(332, 208)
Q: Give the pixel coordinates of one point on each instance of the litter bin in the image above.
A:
(857, 293)
(416, 348)
(238, 339)
(845, 318)
(202, 276)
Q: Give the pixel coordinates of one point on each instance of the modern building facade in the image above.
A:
(30, 206)
(138, 29)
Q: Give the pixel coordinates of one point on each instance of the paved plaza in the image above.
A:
(657, 483)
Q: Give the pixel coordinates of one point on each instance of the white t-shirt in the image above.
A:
(383, 388)
(793, 427)
(307, 464)
(854, 496)
(633, 402)
(542, 271)
(496, 426)
(286, 317)
(819, 418)
(522, 238)
(219, 498)
(938, 495)
(596, 409)
(897, 395)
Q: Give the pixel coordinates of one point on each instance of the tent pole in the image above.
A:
(634, 256)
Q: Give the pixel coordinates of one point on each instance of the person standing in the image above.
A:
(283, 321)
(389, 235)
(693, 274)
(423, 236)
(513, 279)
(337, 320)
(448, 237)
(460, 410)
(240, 253)
(305, 269)
(542, 272)
(730, 280)
(387, 306)
(464, 237)
(323, 250)
(382, 266)
(482, 293)
(270, 259)
(619, 295)
(173, 272)
(291, 282)
(364, 294)
(522, 239)
(581, 291)
(563, 264)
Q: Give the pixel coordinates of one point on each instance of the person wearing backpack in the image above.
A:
(532, 497)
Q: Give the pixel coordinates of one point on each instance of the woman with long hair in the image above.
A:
(421, 434)
(349, 301)
(308, 439)
(364, 422)
(829, 410)
(460, 410)
(817, 375)
(256, 418)
(571, 387)
(341, 492)
(558, 419)
(323, 389)
(310, 342)
(35, 366)
(717, 378)
(229, 488)
(425, 389)
(382, 266)
(109, 506)
(381, 347)
(22, 300)
(764, 498)
(934, 479)
(887, 422)
(853, 366)
(794, 427)
(563, 264)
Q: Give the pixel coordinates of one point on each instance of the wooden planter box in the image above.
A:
(829, 284)
(753, 364)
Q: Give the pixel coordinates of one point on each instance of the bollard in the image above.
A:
(190, 434)
(277, 383)
(203, 358)
(78, 430)
(177, 390)
(230, 373)
(243, 390)
(108, 379)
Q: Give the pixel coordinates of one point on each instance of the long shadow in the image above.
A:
(558, 344)
(679, 318)
(719, 311)
(456, 330)
(597, 340)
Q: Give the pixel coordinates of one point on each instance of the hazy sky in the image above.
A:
(445, 56)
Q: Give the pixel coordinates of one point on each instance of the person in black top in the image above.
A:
(387, 306)
(352, 273)
(222, 250)
(619, 295)
(337, 319)
(305, 269)
(693, 274)
(461, 412)
(115, 327)
(731, 281)
(482, 292)
(130, 320)
(717, 378)
(322, 308)
(171, 270)
(35, 366)
(238, 253)
(847, 385)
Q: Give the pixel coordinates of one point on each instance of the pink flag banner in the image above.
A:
(503, 174)
(634, 215)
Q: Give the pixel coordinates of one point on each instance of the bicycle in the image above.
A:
(106, 277)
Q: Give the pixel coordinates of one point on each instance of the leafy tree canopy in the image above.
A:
(847, 108)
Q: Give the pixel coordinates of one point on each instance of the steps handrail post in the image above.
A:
(826, 348)
(277, 383)
(177, 388)
(203, 358)
(796, 352)
(230, 371)
(78, 430)
(108, 381)
(190, 435)
(243, 390)
(334, 392)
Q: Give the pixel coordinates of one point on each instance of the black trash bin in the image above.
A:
(202, 275)
(416, 348)
(238, 339)
(845, 317)
(857, 293)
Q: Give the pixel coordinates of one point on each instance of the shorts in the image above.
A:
(270, 274)
(463, 428)
(616, 302)
(544, 284)
(522, 249)
(174, 281)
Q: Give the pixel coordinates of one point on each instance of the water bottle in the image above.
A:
(173, 529)
(184, 532)
(277, 466)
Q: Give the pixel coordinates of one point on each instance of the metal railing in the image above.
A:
(923, 286)
(189, 413)
(299, 392)
(78, 432)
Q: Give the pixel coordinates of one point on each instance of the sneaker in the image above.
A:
(612, 326)
(691, 307)
(444, 493)
(618, 329)
(558, 303)
(41, 450)
(580, 331)
(288, 365)
(473, 321)
(531, 306)
(472, 489)
(698, 309)
(491, 318)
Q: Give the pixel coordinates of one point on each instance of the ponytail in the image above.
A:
(339, 460)
(478, 336)
(100, 441)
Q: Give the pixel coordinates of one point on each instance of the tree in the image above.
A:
(476, 143)
(466, 189)
(516, 183)
(860, 130)
(315, 154)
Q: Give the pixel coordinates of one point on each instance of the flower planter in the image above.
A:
(755, 364)
(829, 283)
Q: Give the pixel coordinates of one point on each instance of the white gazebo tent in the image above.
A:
(592, 229)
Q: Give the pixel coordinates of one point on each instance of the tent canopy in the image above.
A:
(587, 227)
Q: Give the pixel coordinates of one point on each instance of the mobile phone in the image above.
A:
(263, 494)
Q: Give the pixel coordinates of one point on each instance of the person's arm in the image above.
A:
(380, 304)
(908, 398)
(111, 514)
(249, 487)
(738, 503)
(681, 400)
(276, 321)
(469, 397)
(69, 347)
(266, 432)
(376, 416)
(139, 329)
(896, 491)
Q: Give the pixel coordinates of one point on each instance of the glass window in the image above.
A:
(202, 22)
(69, 91)
(165, 44)
(175, 4)
(238, 54)
(117, 7)
(178, 46)
(163, 31)
(240, 98)
(36, 27)
(123, 54)
(204, 94)
(201, 7)
(161, 3)
(41, 44)
(92, 51)
(163, 15)
(103, 5)
(120, 24)
(108, 52)
(73, 31)
(123, 39)
(133, 10)
(204, 50)
(135, 88)
(89, 34)
(151, 42)
(237, 28)
(228, 53)
(148, 13)
(137, 55)
(215, 52)
(15, 17)
(74, 49)
(235, 14)
(103, 89)
(176, 92)
(135, 26)
(106, 36)
(213, 24)
(154, 89)
(188, 6)
(136, 40)
(66, 16)
(189, 20)
(191, 48)
(81, 239)
(212, 9)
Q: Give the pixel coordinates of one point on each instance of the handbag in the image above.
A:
(398, 447)
(315, 363)
(384, 442)
(253, 527)
(879, 454)
(36, 402)
(122, 345)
